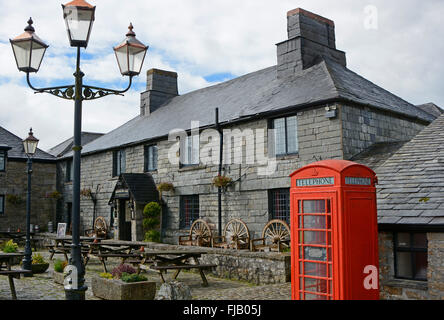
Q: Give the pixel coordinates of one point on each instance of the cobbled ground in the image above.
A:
(42, 286)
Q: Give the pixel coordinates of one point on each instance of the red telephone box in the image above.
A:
(334, 236)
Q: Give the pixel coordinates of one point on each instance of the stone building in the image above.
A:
(14, 184)
(308, 107)
(411, 217)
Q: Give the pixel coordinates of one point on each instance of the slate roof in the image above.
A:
(411, 182)
(257, 93)
(431, 108)
(66, 146)
(16, 144)
(141, 187)
(377, 154)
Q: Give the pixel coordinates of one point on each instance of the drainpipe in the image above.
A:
(219, 191)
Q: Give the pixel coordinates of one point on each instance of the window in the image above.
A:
(69, 170)
(189, 153)
(279, 204)
(2, 160)
(411, 256)
(119, 162)
(2, 204)
(285, 135)
(150, 156)
(189, 211)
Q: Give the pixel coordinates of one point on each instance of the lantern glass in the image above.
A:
(79, 20)
(30, 144)
(130, 54)
(28, 50)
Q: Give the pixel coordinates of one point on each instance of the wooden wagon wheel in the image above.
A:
(201, 232)
(236, 234)
(277, 231)
(100, 226)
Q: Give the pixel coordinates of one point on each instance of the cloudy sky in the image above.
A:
(398, 45)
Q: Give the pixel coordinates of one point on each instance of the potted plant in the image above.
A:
(123, 284)
(39, 265)
(59, 267)
(12, 247)
(151, 221)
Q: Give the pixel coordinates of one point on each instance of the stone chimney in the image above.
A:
(310, 38)
(161, 86)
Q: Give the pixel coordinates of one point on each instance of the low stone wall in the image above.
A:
(253, 267)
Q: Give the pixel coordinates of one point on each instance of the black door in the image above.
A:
(124, 221)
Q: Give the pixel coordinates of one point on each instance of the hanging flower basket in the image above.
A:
(165, 187)
(14, 199)
(222, 181)
(86, 193)
(53, 195)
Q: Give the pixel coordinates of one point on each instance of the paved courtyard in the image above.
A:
(42, 286)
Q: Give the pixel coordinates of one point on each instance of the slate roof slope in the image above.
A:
(377, 154)
(66, 146)
(411, 182)
(253, 94)
(431, 108)
(17, 151)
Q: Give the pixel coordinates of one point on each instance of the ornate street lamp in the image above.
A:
(28, 49)
(130, 54)
(30, 146)
(79, 18)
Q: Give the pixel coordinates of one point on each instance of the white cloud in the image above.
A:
(197, 38)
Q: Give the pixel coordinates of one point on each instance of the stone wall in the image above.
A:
(399, 289)
(15, 181)
(362, 127)
(319, 137)
(435, 273)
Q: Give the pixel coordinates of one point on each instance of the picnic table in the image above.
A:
(161, 261)
(62, 245)
(6, 261)
(126, 250)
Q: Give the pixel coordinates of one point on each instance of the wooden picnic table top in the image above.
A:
(118, 243)
(153, 253)
(12, 254)
(69, 238)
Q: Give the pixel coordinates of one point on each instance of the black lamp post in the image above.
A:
(29, 50)
(30, 146)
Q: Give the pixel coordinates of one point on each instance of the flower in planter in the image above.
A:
(10, 247)
(130, 278)
(60, 265)
(38, 259)
(106, 275)
(123, 268)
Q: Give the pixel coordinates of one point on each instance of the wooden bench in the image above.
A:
(11, 275)
(178, 268)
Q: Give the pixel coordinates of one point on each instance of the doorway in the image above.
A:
(124, 221)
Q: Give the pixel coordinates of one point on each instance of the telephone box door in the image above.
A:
(314, 220)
